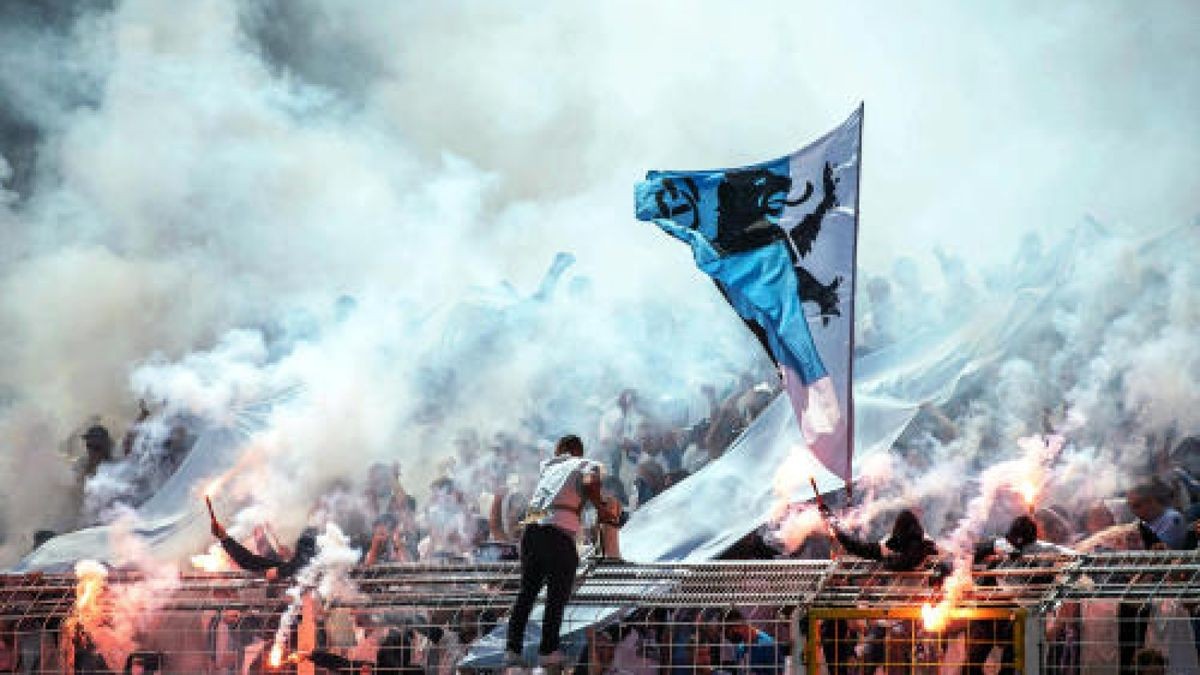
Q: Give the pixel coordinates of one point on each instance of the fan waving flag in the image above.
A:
(778, 238)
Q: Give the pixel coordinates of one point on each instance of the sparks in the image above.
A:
(936, 618)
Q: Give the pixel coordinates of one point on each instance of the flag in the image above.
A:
(778, 238)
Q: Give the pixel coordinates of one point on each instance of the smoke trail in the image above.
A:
(325, 575)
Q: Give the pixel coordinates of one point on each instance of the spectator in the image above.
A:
(1185, 476)
(548, 555)
(1098, 517)
(384, 547)
(444, 650)
(906, 549)
(1161, 526)
(227, 635)
(650, 480)
(304, 550)
(709, 647)
(9, 653)
(449, 523)
(507, 510)
(986, 636)
(1170, 631)
(383, 491)
(620, 423)
(754, 650)
(1053, 527)
(631, 655)
(98, 445)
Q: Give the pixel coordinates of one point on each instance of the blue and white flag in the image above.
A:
(778, 238)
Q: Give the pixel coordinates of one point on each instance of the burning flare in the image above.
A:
(1028, 493)
(215, 560)
(90, 577)
(935, 618)
(276, 655)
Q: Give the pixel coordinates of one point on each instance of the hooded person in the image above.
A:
(904, 550)
(303, 552)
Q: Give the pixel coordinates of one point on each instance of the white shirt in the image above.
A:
(558, 497)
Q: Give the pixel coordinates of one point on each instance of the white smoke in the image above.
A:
(1110, 377)
(326, 575)
(221, 173)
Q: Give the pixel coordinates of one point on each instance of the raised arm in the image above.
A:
(244, 558)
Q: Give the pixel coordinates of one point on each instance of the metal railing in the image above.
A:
(668, 618)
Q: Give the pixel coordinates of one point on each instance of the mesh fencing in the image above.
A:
(1103, 613)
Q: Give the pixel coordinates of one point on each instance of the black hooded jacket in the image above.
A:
(904, 551)
(306, 548)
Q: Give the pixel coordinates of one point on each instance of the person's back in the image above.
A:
(905, 550)
(1020, 540)
(559, 496)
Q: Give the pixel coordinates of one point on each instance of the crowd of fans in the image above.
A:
(472, 511)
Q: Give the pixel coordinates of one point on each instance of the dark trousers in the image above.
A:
(1132, 621)
(548, 558)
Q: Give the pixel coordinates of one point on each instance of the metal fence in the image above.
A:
(1101, 613)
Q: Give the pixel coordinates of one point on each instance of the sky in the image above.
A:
(175, 171)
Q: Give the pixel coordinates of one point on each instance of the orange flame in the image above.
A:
(89, 583)
(276, 655)
(1028, 492)
(935, 618)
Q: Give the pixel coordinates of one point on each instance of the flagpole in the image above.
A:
(862, 107)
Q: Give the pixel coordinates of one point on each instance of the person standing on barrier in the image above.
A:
(548, 554)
